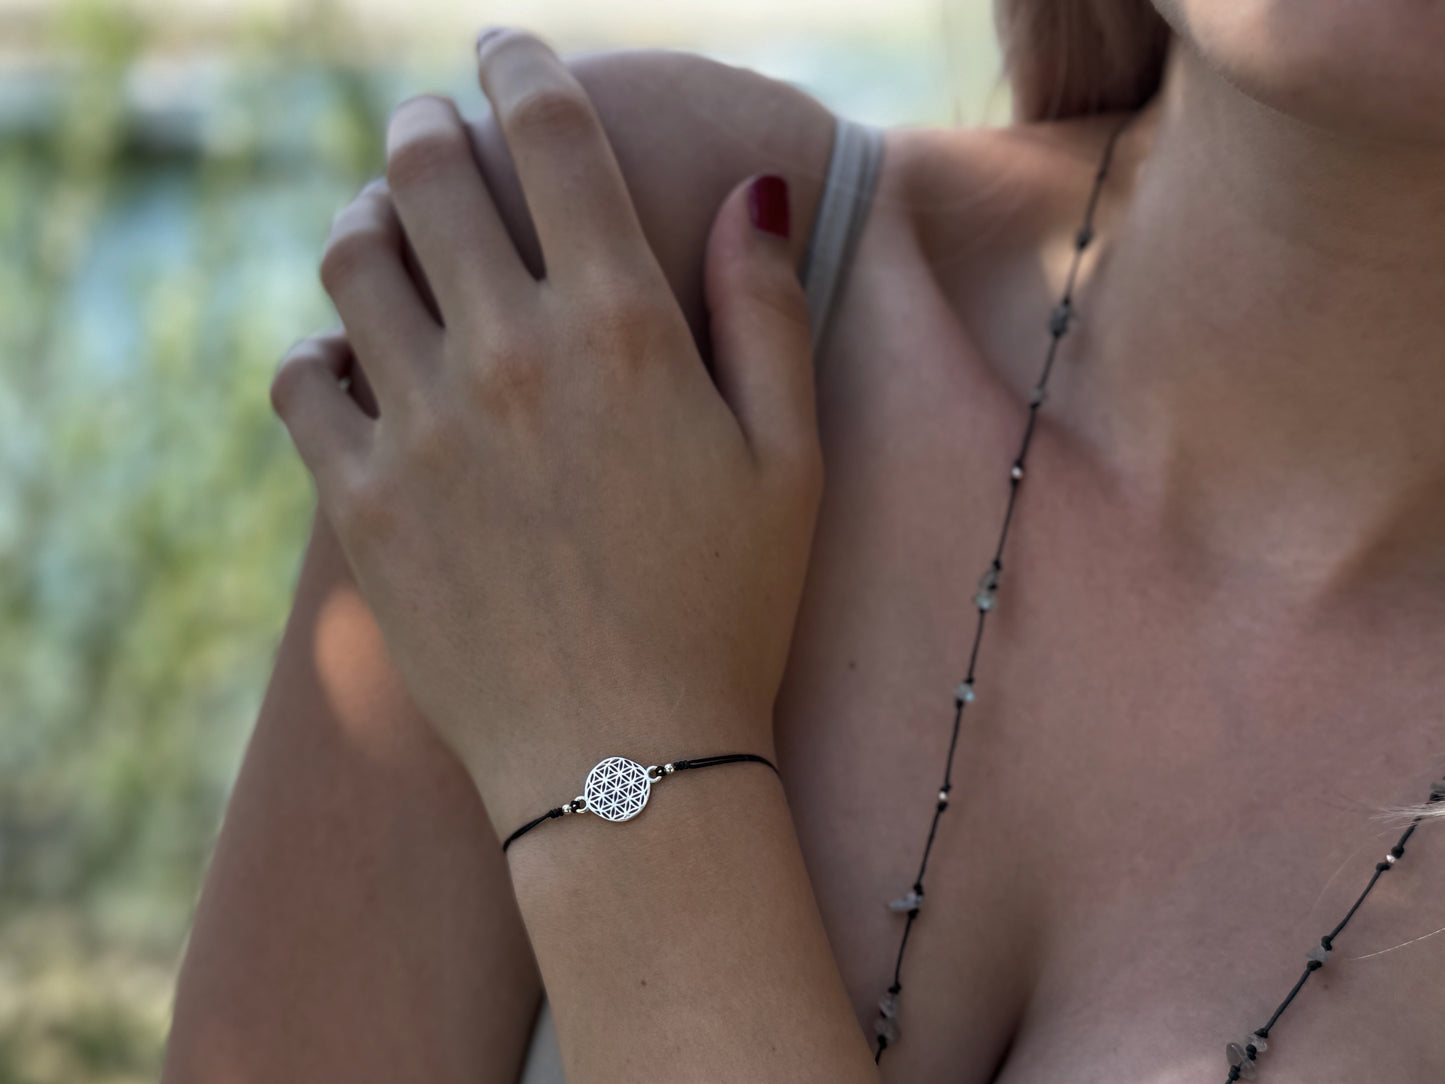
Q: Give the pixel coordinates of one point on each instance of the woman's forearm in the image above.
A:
(566, 523)
(685, 944)
(357, 922)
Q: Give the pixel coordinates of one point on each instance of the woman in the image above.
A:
(1213, 656)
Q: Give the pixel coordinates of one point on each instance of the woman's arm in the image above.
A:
(358, 921)
(686, 945)
(579, 545)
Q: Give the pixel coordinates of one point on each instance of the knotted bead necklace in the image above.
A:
(1242, 1056)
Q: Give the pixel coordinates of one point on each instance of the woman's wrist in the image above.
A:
(688, 937)
(682, 806)
(544, 767)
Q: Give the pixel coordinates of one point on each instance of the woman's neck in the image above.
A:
(1268, 338)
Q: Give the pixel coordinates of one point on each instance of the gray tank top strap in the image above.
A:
(847, 192)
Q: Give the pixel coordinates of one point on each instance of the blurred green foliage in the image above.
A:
(151, 509)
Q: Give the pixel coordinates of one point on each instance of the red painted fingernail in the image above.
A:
(768, 204)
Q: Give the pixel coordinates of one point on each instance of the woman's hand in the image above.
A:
(578, 545)
(575, 542)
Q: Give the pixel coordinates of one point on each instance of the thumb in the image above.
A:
(758, 316)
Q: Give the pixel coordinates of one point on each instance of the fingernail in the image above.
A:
(488, 34)
(768, 204)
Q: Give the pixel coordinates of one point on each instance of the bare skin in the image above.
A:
(1214, 655)
(1189, 712)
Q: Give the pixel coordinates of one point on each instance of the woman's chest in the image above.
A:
(1159, 799)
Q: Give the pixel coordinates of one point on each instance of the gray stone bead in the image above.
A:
(906, 902)
(1247, 1070)
(1059, 318)
(888, 1004)
(1257, 1041)
(1320, 953)
(963, 691)
(987, 585)
(1235, 1054)
(887, 1028)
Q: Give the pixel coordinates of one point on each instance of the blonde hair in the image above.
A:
(1069, 58)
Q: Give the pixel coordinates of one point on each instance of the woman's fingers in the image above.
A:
(758, 316)
(362, 269)
(450, 218)
(326, 424)
(575, 191)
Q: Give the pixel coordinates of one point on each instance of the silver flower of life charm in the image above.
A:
(617, 789)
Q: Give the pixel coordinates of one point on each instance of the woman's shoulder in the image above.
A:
(685, 130)
(984, 194)
(986, 217)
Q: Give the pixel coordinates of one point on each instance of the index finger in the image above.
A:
(573, 186)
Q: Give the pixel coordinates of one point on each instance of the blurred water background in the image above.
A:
(168, 171)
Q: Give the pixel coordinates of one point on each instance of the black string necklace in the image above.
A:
(1242, 1056)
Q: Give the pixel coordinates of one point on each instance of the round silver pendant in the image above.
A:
(617, 789)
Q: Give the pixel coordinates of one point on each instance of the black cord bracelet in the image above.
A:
(618, 788)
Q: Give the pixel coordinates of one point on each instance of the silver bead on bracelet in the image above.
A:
(617, 788)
